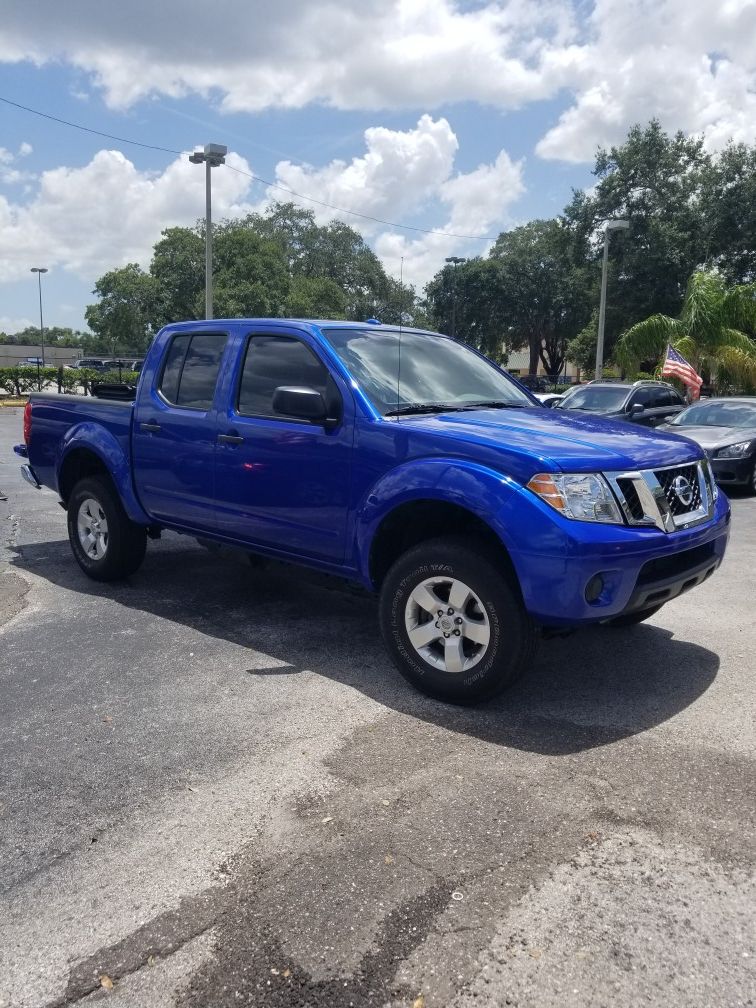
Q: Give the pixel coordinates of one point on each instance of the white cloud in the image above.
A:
(8, 324)
(479, 202)
(257, 54)
(399, 173)
(107, 213)
(692, 65)
(10, 175)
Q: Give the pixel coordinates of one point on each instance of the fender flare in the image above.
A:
(485, 493)
(95, 439)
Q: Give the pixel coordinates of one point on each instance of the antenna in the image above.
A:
(399, 362)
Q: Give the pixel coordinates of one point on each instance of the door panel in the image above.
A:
(285, 484)
(175, 431)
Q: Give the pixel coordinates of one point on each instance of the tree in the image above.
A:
(468, 295)
(545, 296)
(655, 181)
(728, 212)
(334, 252)
(124, 316)
(178, 266)
(250, 273)
(714, 332)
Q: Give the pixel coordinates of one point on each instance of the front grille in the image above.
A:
(685, 478)
(632, 500)
(677, 497)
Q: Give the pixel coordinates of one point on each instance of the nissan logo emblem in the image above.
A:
(683, 490)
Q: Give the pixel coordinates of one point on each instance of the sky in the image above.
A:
(464, 118)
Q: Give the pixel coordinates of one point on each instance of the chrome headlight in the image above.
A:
(582, 496)
(735, 451)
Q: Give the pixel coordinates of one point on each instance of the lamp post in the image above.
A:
(212, 156)
(455, 262)
(612, 225)
(39, 270)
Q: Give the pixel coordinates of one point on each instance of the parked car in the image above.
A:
(648, 403)
(91, 364)
(726, 430)
(549, 399)
(479, 517)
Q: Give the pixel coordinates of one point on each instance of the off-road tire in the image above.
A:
(126, 542)
(513, 637)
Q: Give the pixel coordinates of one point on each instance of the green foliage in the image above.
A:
(706, 333)
(125, 314)
(18, 381)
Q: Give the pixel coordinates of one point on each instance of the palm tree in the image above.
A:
(711, 332)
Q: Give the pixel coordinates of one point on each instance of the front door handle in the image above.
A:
(230, 439)
(150, 427)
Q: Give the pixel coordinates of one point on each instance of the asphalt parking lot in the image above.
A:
(215, 790)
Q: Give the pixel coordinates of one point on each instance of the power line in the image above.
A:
(255, 178)
(87, 129)
(356, 213)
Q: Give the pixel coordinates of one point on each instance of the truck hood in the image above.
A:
(559, 440)
(711, 438)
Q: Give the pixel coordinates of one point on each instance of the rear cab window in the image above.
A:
(191, 369)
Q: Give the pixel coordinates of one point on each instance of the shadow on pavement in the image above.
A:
(593, 688)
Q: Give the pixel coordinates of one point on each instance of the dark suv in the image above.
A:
(643, 402)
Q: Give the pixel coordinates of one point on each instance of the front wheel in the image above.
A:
(106, 544)
(453, 623)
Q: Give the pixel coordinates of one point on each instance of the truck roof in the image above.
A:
(370, 326)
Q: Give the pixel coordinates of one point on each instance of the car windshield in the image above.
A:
(717, 414)
(595, 398)
(431, 372)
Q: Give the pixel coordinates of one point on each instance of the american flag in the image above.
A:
(675, 366)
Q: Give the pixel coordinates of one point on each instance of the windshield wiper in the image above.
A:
(422, 408)
(494, 404)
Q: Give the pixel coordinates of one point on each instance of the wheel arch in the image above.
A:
(90, 450)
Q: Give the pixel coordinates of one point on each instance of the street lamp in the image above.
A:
(455, 262)
(212, 156)
(612, 225)
(39, 270)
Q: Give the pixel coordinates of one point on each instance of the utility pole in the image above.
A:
(213, 155)
(455, 262)
(39, 270)
(612, 225)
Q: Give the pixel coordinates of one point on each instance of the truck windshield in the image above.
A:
(435, 372)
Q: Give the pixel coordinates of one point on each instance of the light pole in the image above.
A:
(455, 262)
(612, 225)
(39, 270)
(212, 156)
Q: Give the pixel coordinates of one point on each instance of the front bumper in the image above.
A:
(638, 567)
(734, 472)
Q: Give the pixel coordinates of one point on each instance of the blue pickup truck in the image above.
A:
(402, 460)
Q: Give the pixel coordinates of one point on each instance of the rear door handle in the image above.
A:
(230, 439)
(150, 427)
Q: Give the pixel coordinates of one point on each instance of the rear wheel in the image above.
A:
(107, 545)
(453, 623)
(633, 618)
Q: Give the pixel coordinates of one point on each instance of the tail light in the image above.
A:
(27, 423)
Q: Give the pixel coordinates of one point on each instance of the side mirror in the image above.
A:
(302, 403)
(636, 409)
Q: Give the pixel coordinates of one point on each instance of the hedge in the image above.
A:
(19, 381)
